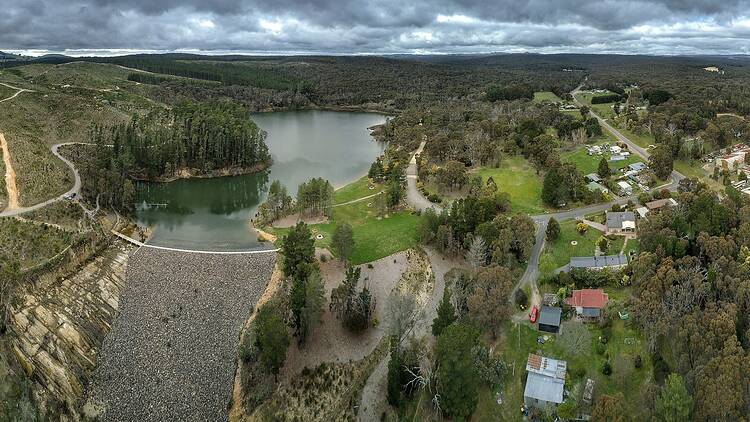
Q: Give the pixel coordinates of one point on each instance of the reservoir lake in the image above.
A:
(214, 213)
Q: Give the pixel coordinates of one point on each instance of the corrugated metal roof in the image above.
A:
(598, 261)
(616, 219)
(544, 388)
(550, 315)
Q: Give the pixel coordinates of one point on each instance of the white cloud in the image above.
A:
(458, 19)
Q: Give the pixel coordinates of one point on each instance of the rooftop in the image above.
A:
(546, 378)
(619, 220)
(598, 261)
(550, 316)
(660, 203)
(588, 298)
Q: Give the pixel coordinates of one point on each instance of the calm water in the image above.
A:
(214, 214)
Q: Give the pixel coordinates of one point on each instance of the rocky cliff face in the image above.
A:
(59, 325)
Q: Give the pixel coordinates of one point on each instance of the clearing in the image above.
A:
(546, 97)
(590, 163)
(623, 344)
(518, 178)
(558, 253)
(374, 237)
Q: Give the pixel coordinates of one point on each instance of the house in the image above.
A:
(616, 157)
(614, 149)
(620, 222)
(594, 186)
(637, 167)
(593, 177)
(661, 203)
(588, 303)
(641, 212)
(545, 382)
(598, 262)
(625, 187)
(549, 319)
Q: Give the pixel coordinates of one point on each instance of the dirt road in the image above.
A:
(10, 175)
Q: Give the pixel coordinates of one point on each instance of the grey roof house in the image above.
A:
(593, 177)
(598, 262)
(620, 222)
(549, 319)
(639, 166)
(545, 381)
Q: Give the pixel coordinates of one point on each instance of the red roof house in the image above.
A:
(588, 302)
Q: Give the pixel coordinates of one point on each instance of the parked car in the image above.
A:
(533, 314)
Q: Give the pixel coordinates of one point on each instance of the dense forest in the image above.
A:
(192, 139)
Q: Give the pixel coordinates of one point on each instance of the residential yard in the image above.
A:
(546, 96)
(695, 169)
(374, 237)
(518, 178)
(590, 163)
(558, 253)
(622, 346)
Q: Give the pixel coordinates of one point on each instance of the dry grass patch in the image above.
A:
(330, 392)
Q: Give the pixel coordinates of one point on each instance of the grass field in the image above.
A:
(356, 190)
(519, 340)
(373, 238)
(558, 253)
(516, 177)
(546, 96)
(32, 243)
(33, 121)
(6, 92)
(590, 163)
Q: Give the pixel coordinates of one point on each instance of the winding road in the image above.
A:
(415, 198)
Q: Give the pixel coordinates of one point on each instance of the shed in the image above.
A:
(545, 381)
(549, 319)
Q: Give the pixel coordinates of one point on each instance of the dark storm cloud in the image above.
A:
(376, 26)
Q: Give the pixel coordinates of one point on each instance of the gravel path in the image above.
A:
(172, 351)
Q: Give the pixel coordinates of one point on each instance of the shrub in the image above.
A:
(607, 368)
(638, 362)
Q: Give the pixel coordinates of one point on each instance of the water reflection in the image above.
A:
(215, 213)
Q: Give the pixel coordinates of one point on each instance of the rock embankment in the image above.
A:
(59, 325)
(172, 351)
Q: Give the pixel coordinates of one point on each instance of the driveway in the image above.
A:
(413, 196)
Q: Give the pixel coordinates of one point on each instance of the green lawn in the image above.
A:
(355, 190)
(373, 238)
(516, 177)
(695, 169)
(558, 253)
(590, 163)
(519, 340)
(546, 96)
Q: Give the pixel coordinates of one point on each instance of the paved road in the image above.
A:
(413, 196)
(531, 274)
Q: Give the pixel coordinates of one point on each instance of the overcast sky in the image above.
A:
(101, 27)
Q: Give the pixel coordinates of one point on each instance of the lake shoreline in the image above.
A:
(352, 109)
(188, 173)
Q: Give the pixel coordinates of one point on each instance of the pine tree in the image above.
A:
(446, 314)
(604, 171)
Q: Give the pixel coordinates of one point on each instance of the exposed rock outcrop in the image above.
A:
(58, 326)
